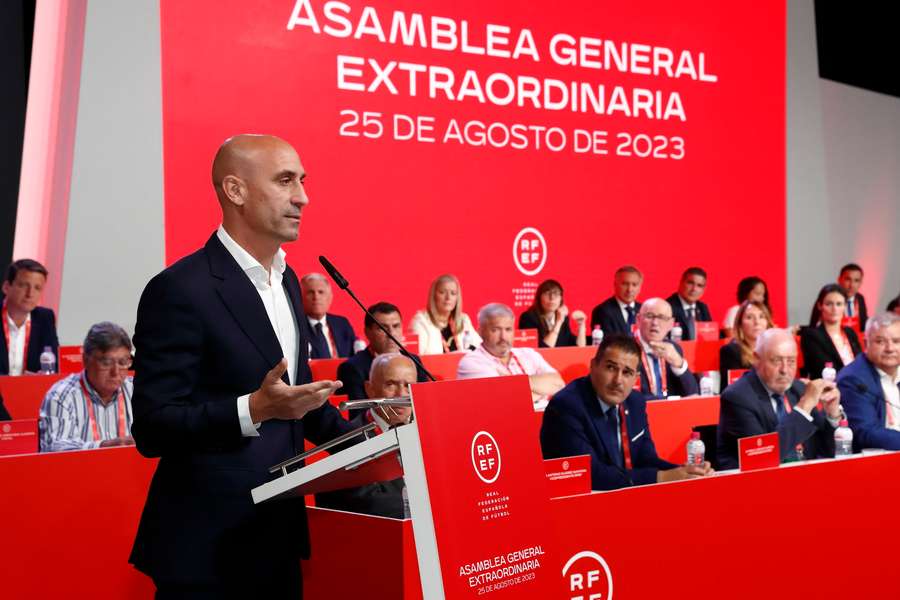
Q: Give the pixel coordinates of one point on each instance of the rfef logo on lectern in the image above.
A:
(588, 577)
(486, 457)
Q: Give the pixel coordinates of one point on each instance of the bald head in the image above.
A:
(259, 183)
(775, 359)
(655, 319)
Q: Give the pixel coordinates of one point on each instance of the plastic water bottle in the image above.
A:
(828, 373)
(596, 336)
(405, 495)
(843, 440)
(48, 361)
(676, 333)
(707, 386)
(468, 340)
(358, 345)
(696, 449)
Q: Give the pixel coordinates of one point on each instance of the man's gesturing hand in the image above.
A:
(277, 400)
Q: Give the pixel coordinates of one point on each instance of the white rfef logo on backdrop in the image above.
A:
(486, 457)
(530, 251)
(588, 576)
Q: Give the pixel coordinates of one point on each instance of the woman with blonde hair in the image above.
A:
(443, 326)
(752, 318)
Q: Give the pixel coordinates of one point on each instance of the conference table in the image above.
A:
(772, 533)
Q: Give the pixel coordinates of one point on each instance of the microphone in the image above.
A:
(345, 285)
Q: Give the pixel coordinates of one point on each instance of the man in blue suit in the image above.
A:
(27, 327)
(602, 416)
(222, 392)
(768, 399)
(664, 371)
(618, 313)
(869, 386)
(331, 336)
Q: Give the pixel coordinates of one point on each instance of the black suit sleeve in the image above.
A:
(169, 416)
(4, 415)
(729, 359)
(354, 383)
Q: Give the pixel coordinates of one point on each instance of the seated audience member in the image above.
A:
(850, 278)
(664, 371)
(869, 386)
(27, 327)
(618, 313)
(894, 305)
(825, 341)
(92, 409)
(331, 336)
(390, 377)
(602, 416)
(768, 398)
(550, 316)
(686, 305)
(354, 371)
(443, 326)
(749, 288)
(496, 356)
(752, 319)
(4, 415)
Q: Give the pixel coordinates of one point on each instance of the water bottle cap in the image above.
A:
(844, 423)
(829, 365)
(48, 349)
(695, 435)
(596, 327)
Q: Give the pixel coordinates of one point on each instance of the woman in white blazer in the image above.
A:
(443, 326)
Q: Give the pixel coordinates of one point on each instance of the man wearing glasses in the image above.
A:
(768, 398)
(92, 409)
(664, 371)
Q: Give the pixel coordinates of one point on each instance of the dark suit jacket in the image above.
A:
(354, 372)
(745, 409)
(701, 313)
(341, 331)
(43, 333)
(203, 338)
(859, 301)
(608, 316)
(677, 385)
(527, 320)
(4, 415)
(574, 424)
(863, 401)
(729, 359)
(818, 349)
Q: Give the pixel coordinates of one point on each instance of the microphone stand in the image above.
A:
(345, 285)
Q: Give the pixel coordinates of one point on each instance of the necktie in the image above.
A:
(630, 310)
(613, 426)
(779, 406)
(321, 342)
(657, 374)
(850, 307)
(691, 330)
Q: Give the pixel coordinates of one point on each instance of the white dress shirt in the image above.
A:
(17, 345)
(325, 331)
(892, 396)
(278, 308)
(623, 308)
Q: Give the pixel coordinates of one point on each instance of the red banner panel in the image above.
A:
(506, 143)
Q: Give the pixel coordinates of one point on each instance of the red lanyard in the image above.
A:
(92, 419)
(787, 405)
(5, 317)
(626, 442)
(651, 378)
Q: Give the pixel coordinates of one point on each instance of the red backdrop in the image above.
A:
(392, 214)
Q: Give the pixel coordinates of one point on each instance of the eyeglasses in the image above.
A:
(655, 317)
(106, 362)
